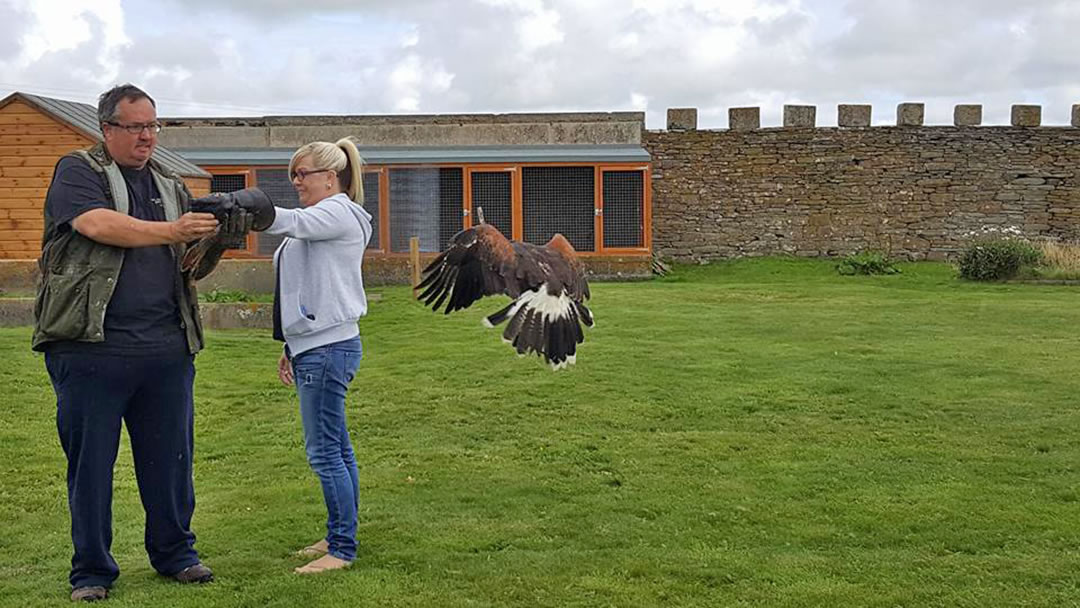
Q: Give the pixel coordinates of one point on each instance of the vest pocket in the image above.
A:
(65, 305)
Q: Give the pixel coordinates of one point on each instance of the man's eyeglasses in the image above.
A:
(302, 173)
(152, 127)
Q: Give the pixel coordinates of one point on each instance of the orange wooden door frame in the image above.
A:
(515, 194)
(646, 211)
(516, 189)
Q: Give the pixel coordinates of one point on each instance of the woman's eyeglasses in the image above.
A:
(303, 173)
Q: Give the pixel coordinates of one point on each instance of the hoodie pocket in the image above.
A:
(296, 317)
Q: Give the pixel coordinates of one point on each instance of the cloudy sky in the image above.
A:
(274, 57)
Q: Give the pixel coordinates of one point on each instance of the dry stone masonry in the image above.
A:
(967, 115)
(800, 116)
(681, 119)
(744, 119)
(912, 190)
(849, 115)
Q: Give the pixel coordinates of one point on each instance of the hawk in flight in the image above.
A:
(546, 284)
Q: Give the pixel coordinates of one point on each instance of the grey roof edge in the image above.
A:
(83, 118)
(390, 155)
(408, 119)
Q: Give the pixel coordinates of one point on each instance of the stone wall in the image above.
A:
(914, 190)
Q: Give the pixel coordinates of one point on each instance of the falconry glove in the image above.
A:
(235, 228)
(252, 200)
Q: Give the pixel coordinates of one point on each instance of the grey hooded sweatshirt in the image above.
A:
(318, 265)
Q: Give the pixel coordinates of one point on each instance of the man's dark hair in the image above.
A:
(106, 108)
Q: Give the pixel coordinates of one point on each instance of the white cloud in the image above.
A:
(204, 57)
(413, 78)
(61, 25)
(70, 47)
(539, 29)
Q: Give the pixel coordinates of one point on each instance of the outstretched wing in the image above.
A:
(478, 262)
(202, 257)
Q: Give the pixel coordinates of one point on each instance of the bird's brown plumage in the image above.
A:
(202, 256)
(547, 284)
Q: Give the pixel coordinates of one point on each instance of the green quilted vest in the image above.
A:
(78, 274)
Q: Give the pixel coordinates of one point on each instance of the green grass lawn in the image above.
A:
(755, 433)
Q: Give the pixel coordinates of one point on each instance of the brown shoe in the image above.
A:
(89, 594)
(317, 549)
(324, 563)
(195, 574)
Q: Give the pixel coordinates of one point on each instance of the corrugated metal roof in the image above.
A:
(388, 155)
(84, 118)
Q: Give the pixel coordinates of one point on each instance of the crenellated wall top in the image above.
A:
(908, 114)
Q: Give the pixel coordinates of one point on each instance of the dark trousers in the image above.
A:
(153, 397)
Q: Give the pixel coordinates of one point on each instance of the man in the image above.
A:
(119, 325)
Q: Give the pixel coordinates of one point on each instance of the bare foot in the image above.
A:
(317, 549)
(324, 563)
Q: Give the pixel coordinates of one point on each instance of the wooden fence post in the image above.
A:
(414, 263)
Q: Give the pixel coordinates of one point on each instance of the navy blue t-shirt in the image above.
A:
(143, 316)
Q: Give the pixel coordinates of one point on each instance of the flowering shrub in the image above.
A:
(996, 254)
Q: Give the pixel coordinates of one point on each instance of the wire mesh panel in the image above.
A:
(275, 183)
(451, 203)
(371, 205)
(227, 183)
(491, 191)
(425, 203)
(624, 209)
(559, 199)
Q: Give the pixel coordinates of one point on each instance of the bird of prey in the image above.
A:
(237, 213)
(546, 283)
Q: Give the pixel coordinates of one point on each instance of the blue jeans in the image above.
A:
(322, 378)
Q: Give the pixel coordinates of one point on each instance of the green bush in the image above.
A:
(866, 262)
(996, 259)
(218, 295)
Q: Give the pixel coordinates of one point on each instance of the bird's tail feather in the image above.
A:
(500, 315)
(545, 325)
(585, 314)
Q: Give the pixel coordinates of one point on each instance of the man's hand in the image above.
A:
(192, 226)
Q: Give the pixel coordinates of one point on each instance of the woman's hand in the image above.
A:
(284, 370)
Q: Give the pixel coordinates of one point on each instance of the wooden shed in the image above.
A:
(35, 132)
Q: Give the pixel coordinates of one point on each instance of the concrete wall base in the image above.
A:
(19, 312)
(19, 277)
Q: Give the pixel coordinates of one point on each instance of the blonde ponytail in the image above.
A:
(352, 175)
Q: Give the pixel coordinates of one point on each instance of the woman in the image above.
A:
(318, 299)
